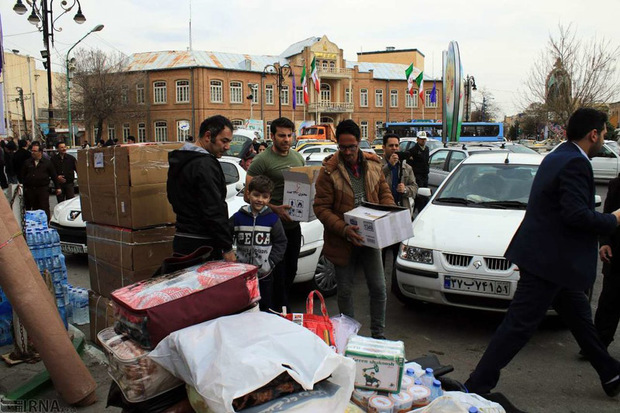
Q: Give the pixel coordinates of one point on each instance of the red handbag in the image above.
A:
(320, 325)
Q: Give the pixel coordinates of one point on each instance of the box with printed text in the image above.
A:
(381, 225)
(378, 363)
(299, 191)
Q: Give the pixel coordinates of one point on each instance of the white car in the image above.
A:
(605, 164)
(312, 266)
(307, 150)
(456, 254)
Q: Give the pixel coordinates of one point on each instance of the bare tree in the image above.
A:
(485, 109)
(100, 89)
(571, 73)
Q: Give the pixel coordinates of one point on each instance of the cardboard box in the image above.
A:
(101, 314)
(378, 363)
(126, 185)
(381, 225)
(132, 250)
(299, 191)
(106, 277)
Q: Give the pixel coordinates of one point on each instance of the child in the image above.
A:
(259, 236)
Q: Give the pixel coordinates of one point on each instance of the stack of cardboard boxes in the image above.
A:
(129, 221)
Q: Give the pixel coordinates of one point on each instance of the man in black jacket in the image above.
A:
(37, 172)
(197, 191)
(19, 158)
(65, 166)
(418, 160)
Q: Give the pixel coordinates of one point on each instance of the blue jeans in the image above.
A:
(370, 260)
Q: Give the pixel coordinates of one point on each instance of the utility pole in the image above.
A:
(21, 100)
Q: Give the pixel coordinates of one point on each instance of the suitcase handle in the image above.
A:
(176, 263)
(310, 303)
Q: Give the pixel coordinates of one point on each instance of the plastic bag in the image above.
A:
(232, 356)
(344, 327)
(458, 402)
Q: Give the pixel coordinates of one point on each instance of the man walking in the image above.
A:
(65, 166)
(418, 160)
(197, 191)
(556, 251)
(271, 163)
(20, 157)
(37, 172)
(346, 180)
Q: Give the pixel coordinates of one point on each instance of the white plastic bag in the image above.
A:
(344, 327)
(459, 402)
(229, 357)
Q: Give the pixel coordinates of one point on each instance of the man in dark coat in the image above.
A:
(418, 160)
(196, 189)
(556, 251)
(65, 166)
(37, 172)
(19, 158)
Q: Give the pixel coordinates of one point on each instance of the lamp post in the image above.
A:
(69, 69)
(279, 71)
(42, 16)
(470, 84)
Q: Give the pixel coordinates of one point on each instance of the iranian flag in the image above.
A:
(304, 84)
(315, 75)
(415, 75)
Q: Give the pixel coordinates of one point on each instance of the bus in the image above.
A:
(470, 131)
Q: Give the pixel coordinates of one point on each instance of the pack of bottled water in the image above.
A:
(44, 243)
(6, 320)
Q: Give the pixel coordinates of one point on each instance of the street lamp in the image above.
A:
(470, 84)
(97, 28)
(42, 16)
(279, 71)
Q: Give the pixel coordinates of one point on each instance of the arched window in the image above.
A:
(326, 92)
(161, 131)
(216, 91)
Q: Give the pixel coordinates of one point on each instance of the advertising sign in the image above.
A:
(453, 96)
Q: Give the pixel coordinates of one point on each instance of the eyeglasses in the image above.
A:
(347, 147)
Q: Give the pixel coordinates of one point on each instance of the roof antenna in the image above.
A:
(507, 155)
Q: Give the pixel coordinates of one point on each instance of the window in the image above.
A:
(141, 132)
(182, 130)
(378, 127)
(364, 129)
(411, 101)
(231, 174)
(269, 94)
(284, 96)
(216, 91)
(159, 92)
(124, 95)
(95, 132)
(140, 98)
(236, 92)
(364, 97)
(427, 100)
(126, 132)
(326, 92)
(456, 158)
(237, 123)
(299, 95)
(254, 88)
(111, 132)
(394, 98)
(379, 98)
(161, 131)
(182, 91)
(347, 95)
(438, 160)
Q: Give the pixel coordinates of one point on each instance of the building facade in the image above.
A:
(182, 88)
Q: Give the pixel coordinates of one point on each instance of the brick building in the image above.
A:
(182, 88)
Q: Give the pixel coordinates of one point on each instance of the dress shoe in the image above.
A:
(612, 389)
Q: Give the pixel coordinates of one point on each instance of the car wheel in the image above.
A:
(325, 277)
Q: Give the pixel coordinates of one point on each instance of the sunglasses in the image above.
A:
(347, 147)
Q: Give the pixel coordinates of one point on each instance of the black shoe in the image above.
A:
(379, 337)
(612, 389)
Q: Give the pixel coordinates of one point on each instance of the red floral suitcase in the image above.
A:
(151, 309)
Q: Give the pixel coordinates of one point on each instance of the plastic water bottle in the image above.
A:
(428, 378)
(436, 390)
(473, 409)
(80, 311)
(410, 372)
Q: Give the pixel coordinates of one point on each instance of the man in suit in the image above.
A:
(556, 250)
(608, 311)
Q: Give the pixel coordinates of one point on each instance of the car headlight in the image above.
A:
(416, 254)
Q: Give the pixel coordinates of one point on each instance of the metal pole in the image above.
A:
(279, 79)
(20, 91)
(51, 135)
(34, 130)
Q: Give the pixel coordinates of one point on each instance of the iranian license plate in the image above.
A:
(476, 285)
(68, 248)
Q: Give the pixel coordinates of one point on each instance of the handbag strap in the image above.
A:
(310, 303)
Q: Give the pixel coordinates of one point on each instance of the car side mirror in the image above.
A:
(427, 192)
(239, 186)
(597, 200)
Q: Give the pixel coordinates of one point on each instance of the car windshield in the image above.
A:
(614, 145)
(238, 144)
(364, 145)
(500, 186)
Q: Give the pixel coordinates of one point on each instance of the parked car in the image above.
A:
(307, 150)
(606, 163)
(456, 255)
(313, 267)
(306, 143)
(407, 143)
(316, 159)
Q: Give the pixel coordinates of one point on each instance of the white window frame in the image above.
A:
(237, 123)
(182, 134)
(378, 98)
(216, 91)
(111, 132)
(160, 90)
(124, 95)
(378, 126)
(254, 88)
(393, 98)
(427, 99)
(141, 132)
(347, 95)
(326, 92)
(364, 129)
(126, 131)
(269, 94)
(411, 101)
(161, 130)
(284, 98)
(182, 91)
(299, 95)
(364, 98)
(236, 92)
(140, 96)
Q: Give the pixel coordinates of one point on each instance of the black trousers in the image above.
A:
(186, 245)
(608, 312)
(285, 271)
(531, 301)
(421, 201)
(68, 192)
(37, 198)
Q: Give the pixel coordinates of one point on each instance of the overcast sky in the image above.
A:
(499, 40)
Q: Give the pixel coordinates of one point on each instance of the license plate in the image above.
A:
(68, 248)
(476, 285)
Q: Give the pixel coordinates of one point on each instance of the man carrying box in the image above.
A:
(347, 179)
